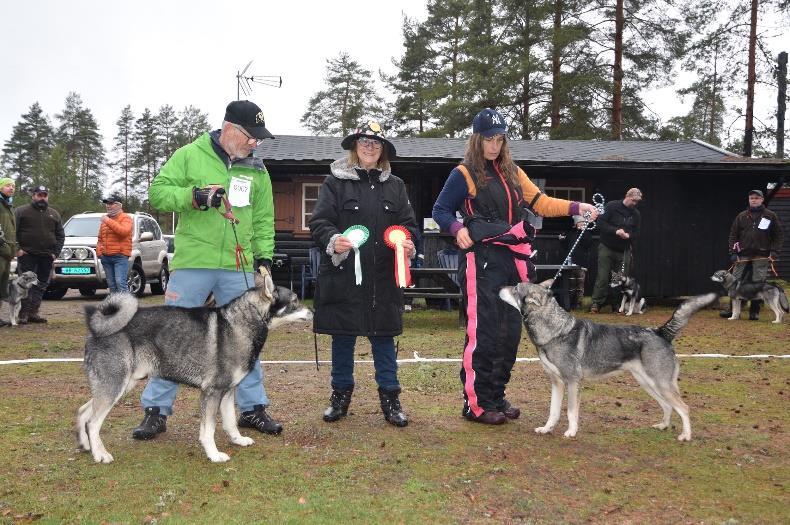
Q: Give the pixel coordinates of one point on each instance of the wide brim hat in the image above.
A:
(372, 130)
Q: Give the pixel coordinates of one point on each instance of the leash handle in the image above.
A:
(598, 202)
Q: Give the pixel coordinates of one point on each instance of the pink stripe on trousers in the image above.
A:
(471, 334)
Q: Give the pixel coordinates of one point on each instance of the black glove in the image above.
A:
(266, 263)
(204, 198)
(734, 257)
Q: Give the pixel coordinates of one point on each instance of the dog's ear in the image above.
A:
(263, 280)
(547, 283)
(539, 295)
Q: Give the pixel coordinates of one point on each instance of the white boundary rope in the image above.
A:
(416, 359)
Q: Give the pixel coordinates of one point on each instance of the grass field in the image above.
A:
(439, 469)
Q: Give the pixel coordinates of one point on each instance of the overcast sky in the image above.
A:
(179, 52)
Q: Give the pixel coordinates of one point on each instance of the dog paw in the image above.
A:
(243, 441)
(684, 437)
(219, 457)
(543, 430)
(661, 426)
(570, 433)
(103, 457)
(732, 318)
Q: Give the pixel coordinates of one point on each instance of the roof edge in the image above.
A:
(715, 148)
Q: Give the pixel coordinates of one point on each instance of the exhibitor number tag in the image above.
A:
(239, 194)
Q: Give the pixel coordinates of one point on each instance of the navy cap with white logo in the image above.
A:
(488, 123)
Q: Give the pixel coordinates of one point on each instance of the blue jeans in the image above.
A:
(116, 269)
(383, 360)
(190, 288)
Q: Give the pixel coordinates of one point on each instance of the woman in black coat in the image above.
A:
(361, 299)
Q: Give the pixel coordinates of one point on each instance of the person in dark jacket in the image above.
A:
(492, 195)
(39, 234)
(361, 191)
(619, 229)
(7, 235)
(754, 242)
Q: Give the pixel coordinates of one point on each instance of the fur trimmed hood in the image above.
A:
(341, 170)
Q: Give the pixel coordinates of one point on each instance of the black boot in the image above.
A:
(754, 310)
(36, 295)
(258, 419)
(153, 423)
(338, 403)
(390, 407)
(727, 313)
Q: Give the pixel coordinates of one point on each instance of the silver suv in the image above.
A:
(77, 266)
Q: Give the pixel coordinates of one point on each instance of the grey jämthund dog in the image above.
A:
(632, 300)
(18, 288)
(207, 348)
(571, 350)
(739, 291)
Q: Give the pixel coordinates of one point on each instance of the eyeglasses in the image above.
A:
(252, 141)
(369, 143)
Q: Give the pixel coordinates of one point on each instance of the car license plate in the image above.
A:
(76, 270)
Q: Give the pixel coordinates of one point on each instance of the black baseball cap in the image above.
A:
(756, 192)
(113, 197)
(40, 189)
(489, 122)
(249, 116)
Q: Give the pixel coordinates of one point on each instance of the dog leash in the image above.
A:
(598, 202)
(744, 261)
(238, 251)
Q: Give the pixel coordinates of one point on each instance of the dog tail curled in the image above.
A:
(680, 317)
(111, 315)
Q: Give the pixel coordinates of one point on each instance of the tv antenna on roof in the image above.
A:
(244, 83)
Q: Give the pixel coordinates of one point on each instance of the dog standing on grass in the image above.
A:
(18, 289)
(207, 348)
(739, 291)
(571, 350)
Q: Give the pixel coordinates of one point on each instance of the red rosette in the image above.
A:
(394, 237)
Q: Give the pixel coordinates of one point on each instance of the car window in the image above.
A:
(155, 229)
(82, 227)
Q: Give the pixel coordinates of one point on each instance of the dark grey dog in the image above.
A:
(631, 292)
(739, 291)
(571, 350)
(18, 289)
(207, 348)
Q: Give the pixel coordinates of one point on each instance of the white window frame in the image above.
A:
(305, 218)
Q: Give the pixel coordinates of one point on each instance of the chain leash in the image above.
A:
(598, 202)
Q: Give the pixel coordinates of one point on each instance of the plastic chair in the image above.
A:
(448, 258)
(310, 271)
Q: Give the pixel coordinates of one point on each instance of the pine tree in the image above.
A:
(78, 132)
(349, 98)
(123, 148)
(146, 154)
(191, 123)
(166, 130)
(31, 141)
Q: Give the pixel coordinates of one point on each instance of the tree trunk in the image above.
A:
(617, 95)
(712, 125)
(781, 106)
(555, 68)
(749, 131)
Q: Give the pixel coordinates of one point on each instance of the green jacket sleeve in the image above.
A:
(262, 217)
(171, 189)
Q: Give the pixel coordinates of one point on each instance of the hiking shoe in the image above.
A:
(35, 318)
(258, 419)
(725, 315)
(153, 423)
(509, 410)
(488, 417)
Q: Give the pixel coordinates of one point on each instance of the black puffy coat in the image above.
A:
(376, 200)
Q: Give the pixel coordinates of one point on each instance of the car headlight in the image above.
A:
(66, 253)
(82, 253)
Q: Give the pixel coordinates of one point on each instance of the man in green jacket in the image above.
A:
(7, 235)
(196, 182)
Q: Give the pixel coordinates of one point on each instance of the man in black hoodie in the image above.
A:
(619, 229)
(755, 241)
(40, 237)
